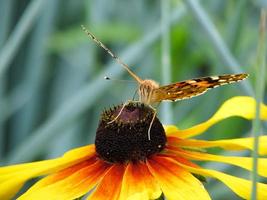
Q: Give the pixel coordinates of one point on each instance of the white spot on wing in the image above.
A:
(191, 81)
(214, 78)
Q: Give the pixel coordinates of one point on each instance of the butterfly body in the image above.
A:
(146, 91)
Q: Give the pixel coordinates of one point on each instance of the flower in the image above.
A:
(124, 164)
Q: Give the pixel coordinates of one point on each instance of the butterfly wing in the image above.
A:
(194, 87)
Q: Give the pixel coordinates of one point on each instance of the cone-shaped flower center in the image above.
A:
(126, 138)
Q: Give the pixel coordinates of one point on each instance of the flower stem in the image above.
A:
(259, 88)
(165, 57)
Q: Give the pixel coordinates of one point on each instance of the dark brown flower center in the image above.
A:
(126, 138)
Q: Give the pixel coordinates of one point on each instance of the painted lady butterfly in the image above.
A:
(150, 92)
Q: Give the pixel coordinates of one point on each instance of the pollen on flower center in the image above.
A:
(126, 138)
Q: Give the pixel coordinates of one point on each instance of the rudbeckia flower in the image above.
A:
(124, 164)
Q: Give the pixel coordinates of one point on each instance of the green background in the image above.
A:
(52, 87)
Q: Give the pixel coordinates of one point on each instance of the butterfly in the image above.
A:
(150, 92)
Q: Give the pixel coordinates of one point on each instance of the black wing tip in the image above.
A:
(243, 75)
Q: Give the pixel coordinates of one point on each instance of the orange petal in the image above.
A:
(176, 182)
(240, 106)
(241, 187)
(73, 186)
(139, 184)
(228, 144)
(243, 162)
(13, 177)
(110, 186)
(62, 174)
(173, 154)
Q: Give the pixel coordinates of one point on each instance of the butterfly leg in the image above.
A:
(151, 123)
(153, 118)
(123, 106)
(134, 95)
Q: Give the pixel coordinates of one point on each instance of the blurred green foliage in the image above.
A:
(51, 75)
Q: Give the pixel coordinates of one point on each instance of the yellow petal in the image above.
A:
(74, 155)
(171, 129)
(228, 144)
(13, 177)
(7, 193)
(68, 186)
(176, 182)
(241, 187)
(110, 186)
(243, 162)
(240, 106)
(139, 184)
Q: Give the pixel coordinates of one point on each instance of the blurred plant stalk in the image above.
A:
(21, 30)
(166, 111)
(259, 94)
(216, 40)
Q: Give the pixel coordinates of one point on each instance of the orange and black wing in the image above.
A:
(194, 87)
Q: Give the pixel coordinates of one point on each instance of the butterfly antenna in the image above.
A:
(119, 61)
(120, 80)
